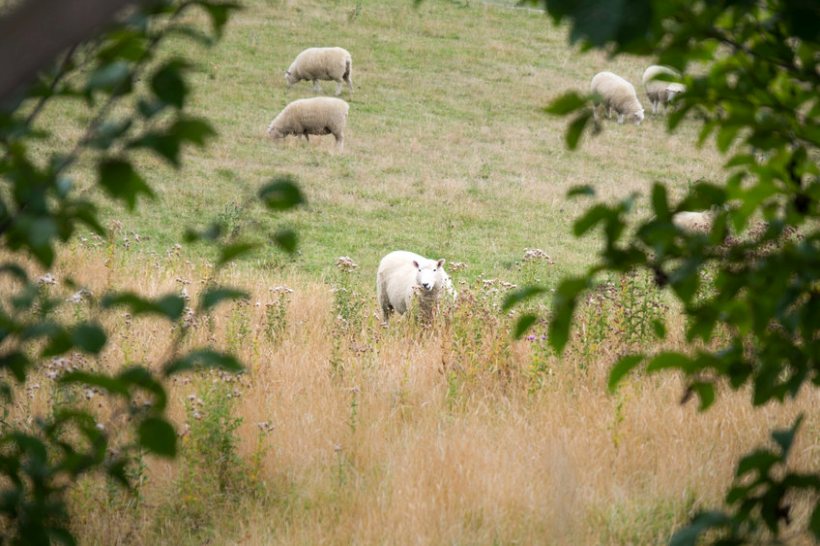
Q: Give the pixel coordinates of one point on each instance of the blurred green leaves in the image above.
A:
(135, 101)
(755, 92)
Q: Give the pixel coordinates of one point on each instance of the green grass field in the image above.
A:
(448, 152)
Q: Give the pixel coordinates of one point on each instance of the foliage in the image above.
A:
(752, 81)
(136, 101)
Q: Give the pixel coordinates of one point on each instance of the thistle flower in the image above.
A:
(346, 264)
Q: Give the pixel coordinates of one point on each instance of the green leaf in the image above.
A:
(110, 384)
(59, 342)
(281, 194)
(624, 365)
(576, 128)
(705, 392)
(168, 84)
(523, 324)
(286, 239)
(566, 297)
(144, 379)
(203, 358)
(659, 328)
(62, 535)
(667, 360)
(157, 436)
(120, 181)
(108, 132)
(193, 130)
(215, 295)
(110, 76)
(701, 523)
(164, 145)
(759, 462)
(591, 218)
(90, 338)
(231, 252)
(585, 190)
(16, 362)
(725, 136)
(168, 143)
(14, 270)
(566, 103)
(169, 306)
(660, 201)
(218, 13)
(522, 294)
(785, 438)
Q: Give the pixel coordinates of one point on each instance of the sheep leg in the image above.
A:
(338, 88)
(620, 119)
(316, 88)
(306, 137)
(340, 141)
(384, 301)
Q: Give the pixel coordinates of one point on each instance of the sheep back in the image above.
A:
(313, 116)
(321, 63)
(617, 94)
(661, 91)
(693, 222)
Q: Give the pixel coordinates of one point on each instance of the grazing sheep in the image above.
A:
(402, 274)
(322, 63)
(316, 116)
(661, 92)
(616, 94)
(693, 222)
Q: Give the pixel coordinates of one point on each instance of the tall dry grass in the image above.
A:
(354, 433)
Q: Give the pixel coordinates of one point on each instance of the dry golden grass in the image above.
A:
(408, 435)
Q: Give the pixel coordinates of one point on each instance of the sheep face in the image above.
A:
(637, 117)
(427, 276)
(290, 78)
(275, 132)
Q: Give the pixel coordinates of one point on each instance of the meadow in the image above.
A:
(346, 431)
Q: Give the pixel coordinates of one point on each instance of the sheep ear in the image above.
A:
(440, 263)
(415, 264)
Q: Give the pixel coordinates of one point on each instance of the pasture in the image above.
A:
(341, 430)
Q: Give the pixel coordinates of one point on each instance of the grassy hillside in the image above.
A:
(448, 151)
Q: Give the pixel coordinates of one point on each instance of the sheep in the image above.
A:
(315, 116)
(322, 63)
(402, 275)
(693, 222)
(616, 94)
(661, 92)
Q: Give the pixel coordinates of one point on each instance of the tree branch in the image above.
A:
(32, 35)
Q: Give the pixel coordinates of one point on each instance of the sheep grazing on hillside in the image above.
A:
(316, 116)
(616, 94)
(694, 222)
(403, 275)
(322, 63)
(661, 92)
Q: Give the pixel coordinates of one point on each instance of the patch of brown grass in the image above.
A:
(409, 434)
